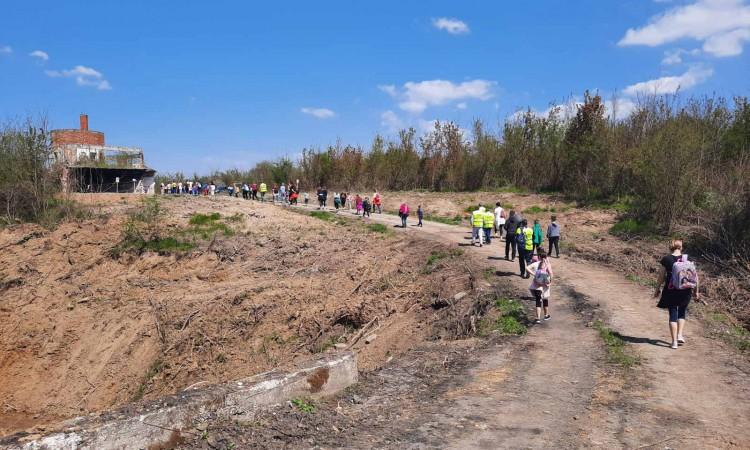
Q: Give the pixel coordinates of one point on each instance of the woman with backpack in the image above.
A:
(541, 269)
(676, 282)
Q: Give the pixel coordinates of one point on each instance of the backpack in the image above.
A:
(521, 239)
(684, 274)
(541, 277)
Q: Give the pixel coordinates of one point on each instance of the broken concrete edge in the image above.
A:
(165, 422)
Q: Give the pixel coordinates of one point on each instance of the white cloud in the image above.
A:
(461, 105)
(6, 50)
(415, 97)
(43, 56)
(620, 108)
(672, 57)
(727, 44)
(388, 89)
(671, 84)
(319, 113)
(84, 76)
(391, 121)
(723, 26)
(452, 26)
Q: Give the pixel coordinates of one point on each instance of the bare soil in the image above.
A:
(81, 330)
(286, 285)
(553, 388)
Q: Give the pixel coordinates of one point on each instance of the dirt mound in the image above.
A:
(81, 330)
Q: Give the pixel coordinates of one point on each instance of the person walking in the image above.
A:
(553, 234)
(358, 202)
(499, 220)
(676, 282)
(477, 223)
(420, 215)
(263, 190)
(511, 227)
(403, 213)
(343, 199)
(538, 236)
(541, 271)
(377, 203)
(366, 207)
(525, 244)
(487, 224)
(307, 199)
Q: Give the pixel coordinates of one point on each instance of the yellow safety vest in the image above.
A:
(263, 187)
(529, 235)
(477, 219)
(489, 219)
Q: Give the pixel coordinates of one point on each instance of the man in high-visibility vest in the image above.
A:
(525, 242)
(488, 223)
(477, 222)
(263, 190)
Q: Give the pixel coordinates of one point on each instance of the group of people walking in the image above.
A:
(523, 241)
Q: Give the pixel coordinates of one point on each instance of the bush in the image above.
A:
(28, 182)
(631, 228)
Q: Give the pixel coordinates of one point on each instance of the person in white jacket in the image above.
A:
(499, 220)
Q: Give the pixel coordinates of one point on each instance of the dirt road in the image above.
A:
(556, 390)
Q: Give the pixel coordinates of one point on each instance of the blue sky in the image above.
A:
(211, 85)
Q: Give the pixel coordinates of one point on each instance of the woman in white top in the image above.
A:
(499, 220)
(541, 279)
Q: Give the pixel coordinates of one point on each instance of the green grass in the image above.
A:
(156, 367)
(437, 255)
(512, 319)
(305, 406)
(378, 228)
(206, 225)
(631, 227)
(617, 351)
(535, 210)
(204, 219)
(735, 335)
(621, 205)
(323, 215)
(455, 220)
(649, 282)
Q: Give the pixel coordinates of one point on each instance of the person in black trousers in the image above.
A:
(511, 225)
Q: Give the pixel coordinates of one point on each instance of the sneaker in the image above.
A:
(547, 317)
(675, 344)
(537, 321)
(680, 339)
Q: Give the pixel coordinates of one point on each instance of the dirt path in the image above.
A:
(554, 391)
(695, 397)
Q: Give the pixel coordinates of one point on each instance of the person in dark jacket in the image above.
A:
(553, 235)
(511, 225)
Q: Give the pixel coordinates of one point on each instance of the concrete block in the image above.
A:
(160, 424)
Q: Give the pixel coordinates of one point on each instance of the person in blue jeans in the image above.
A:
(674, 300)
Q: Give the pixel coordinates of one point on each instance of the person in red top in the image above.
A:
(376, 203)
(403, 212)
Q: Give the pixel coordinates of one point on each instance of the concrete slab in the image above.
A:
(161, 424)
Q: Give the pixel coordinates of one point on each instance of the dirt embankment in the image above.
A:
(81, 330)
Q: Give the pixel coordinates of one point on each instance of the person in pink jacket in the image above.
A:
(403, 212)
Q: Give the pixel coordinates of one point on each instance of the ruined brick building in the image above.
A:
(88, 165)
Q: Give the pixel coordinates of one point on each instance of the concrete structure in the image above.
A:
(88, 165)
(163, 424)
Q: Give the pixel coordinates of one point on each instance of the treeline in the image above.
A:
(27, 181)
(673, 161)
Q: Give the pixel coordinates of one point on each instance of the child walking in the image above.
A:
(366, 207)
(541, 271)
(420, 215)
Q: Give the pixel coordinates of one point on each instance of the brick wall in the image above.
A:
(63, 137)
